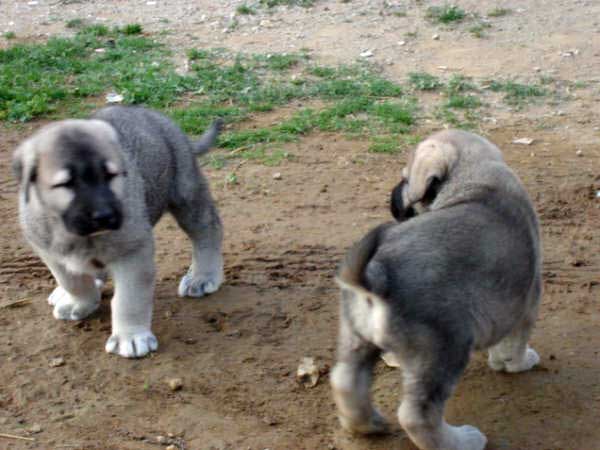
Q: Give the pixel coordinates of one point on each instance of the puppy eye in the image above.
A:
(65, 184)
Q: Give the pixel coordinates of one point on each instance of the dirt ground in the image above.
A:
(237, 350)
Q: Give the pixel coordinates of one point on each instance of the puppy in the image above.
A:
(91, 192)
(460, 272)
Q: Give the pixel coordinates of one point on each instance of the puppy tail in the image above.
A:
(352, 270)
(208, 138)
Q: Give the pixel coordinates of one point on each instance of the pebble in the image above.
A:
(367, 54)
(435, 37)
(579, 153)
(401, 43)
(162, 440)
(172, 447)
(36, 428)
(113, 97)
(57, 362)
(308, 373)
(175, 384)
(523, 141)
(277, 176)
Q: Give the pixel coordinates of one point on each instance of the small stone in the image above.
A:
(172, 447)
(523, 141)
(308, 373)
(579, 153)
(435, 37)
(277, 176)
(57, 362)
(113, 97)
(100, 50)
(175, 384)
(162, 440)
(35, 428)
(366, 54)
(401, 43)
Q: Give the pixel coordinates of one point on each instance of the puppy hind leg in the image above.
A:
(199, 218)
(351, 380)
(75, 297)
(426, 387)
(513, 354)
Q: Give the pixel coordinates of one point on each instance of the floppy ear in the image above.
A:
(398, 207)
(24, 165)
(432, 161)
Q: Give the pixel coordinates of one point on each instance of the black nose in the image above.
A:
(106, 219)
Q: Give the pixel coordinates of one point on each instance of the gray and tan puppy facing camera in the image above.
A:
(91, 192)
(459, 271)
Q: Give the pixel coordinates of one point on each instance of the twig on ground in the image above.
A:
(12, 436)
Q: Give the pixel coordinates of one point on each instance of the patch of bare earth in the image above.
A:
(236, 351)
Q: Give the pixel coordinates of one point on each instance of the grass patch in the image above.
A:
(478, 30)
(131, 29)
(245, 10)
(459, 83)
(423, 81)
(445, 14)
(517, 93)
(499, 12)
(75, 23)
(9, 35)
(67, 76)
(273, 3)
(463, 102)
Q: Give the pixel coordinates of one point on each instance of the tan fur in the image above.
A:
(433, 158)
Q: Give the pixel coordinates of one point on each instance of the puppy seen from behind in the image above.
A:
(458, 271)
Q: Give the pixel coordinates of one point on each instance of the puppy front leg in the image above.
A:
(131, 305)
(76, 295)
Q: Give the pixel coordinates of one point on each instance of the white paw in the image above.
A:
(376, 424)
(390, 360)
(132, 345)
(530, 359)
(469, 438)
(200, 285)
(67, 307)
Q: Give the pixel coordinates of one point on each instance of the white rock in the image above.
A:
(57, 362)
(435, 37)
(113, 97)
(367, 54)
(401, 43)
(579, 153)
(100, 50)
(277, 176)
(175, 384)
(308, 373)
(523, 141)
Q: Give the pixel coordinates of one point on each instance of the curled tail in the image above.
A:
(352, 270)
(208, 138)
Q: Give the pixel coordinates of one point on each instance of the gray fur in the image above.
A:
(464, 275)
(158, 173)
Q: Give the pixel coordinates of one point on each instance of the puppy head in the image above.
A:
(428, 167)
(74, 170)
